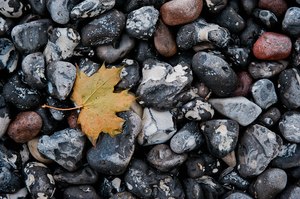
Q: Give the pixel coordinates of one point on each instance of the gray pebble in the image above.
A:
(59, 11)
(288, 157)
(141, 22)
(267, 17)
(231, 177)
(239, 109)
(270, 117)
(80, 192)
(239, 56)
(4, 26)
(38, 6)
(13, 8)
(263, 93)
(251, 32)
(289, 126)
(88, 66)
(215, 6)
(266, 69)
(130, 74)
(10, 182)
(238, 194)
(64, 147)
(58, 115)
(291, 192)
(197, 110)
(9, 56)
(291, 21)
(61, 77)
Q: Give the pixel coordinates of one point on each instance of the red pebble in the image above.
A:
(278, 7)
(272, 46)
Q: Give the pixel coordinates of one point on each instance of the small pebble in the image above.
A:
(197, 110)
(8, 55)
(266, 69)
(130, 74)
(238, 56)
(291, 192)
(266, 17)
(33, 148)
(270, 117)
(291, 21)
(123, 195)
(264, 94)
(289, 126)
(10, 182)
(251, 32)
(244, 84)
(13, 8)
(216, 6)
(238, 194)
(88, 66)
(80, 192)
(38, 6)
(59, 11)
(278, 7)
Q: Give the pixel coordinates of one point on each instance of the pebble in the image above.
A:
(211, 187)
(65, 147)
(5, 116)
(49, 124)
(211, 70)
(278, 7)
(59, 11)
(232, 178)
(123, 195)
(157, 127)
(288, 156)
(192, 188)
(32, 36)
(114, 52)
(289, 88)
(141, 23)
(237, 194)
(221, 136)
(83, 176)
(258, 146)
(33, 148)
(187, 138)
(244, 84)
(4, 26)
(200, 31)
(38, 6)
(175, 12)
(266, 17)
(291, 192)
(290, 22)
(215, 6)
(197, 110)
(18, 94)
(13, 8)
(144, 50)
(130, 75)
(238, 56)
(110, 185)
(79, 192)
(21, 193)
(10, 182)
(266, 69)
(91, 8)
(164, 40)
(251, 32)
(230, 159)
(56, 114)
(33, 68)
(239, 109)
(88, 66)
(263, 93)
(61, 44)
(8, 55)
(269, 184)
(61, 76)
(39, 180)
(161, 83)
(112, 155)
(25, 126)
(104, 29)
(289, 126)
(270, 117)
(272, 46)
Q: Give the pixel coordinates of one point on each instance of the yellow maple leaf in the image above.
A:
(99, 104)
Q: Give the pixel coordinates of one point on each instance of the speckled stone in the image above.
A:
(263, 93)
(291, 21)
(289, 126)
(266, 69)
(13, 8)
(59, 11)
(197, 110)
(9, 56)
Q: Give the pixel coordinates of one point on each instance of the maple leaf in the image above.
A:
(99, 104)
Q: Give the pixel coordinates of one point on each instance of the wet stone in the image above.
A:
(157, 127)
(270, 117)
(244, 84)
(232, 178)
(211, 70)
(296, 53)
(13, 8)
(61, 77)
(61, 44)
(18, 94)
(215, 6)
(33, 68)
(260, 145)
(174, 12)
(91, 8)
(57, 114)
(65, 147)
(114, 52)
(264, 94)
(187, 138)
(141, 23)
(111, 156)
(291, 21)
(164, 159)
(39, 181)
(25, 126)
(289, 126)
(168, 187)
(59, 11)
(161, 83)
(8, 55)
(88, 66)
(79, 192)
(38, 6)
(278, 7)
(104, 29)
(130, 74)
(221, 136)
(239, 109)
(266, 17)
(32, 36)
(269, 184)
(266, 69)
(238, 56)
(197, 110)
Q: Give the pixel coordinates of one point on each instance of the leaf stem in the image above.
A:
(61, 109)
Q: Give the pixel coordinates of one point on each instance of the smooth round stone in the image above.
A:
(260, 145)
(39, 181)
(175, 12)
(244, 84)
(289, 126)
(38, 6)
(104, 29)
(212, 70)
(130, 75)
(278, 7)
(187, 138)
(239, 56)
(13, 8)
(33, 68)
(263, 93)
(164, 159)
(65, 147)
(266, 69)
(33, 148)
(25, 126)
(59, 11)
(32, 36)
(221, 136)
(272, 46)
(291, 192)
(61, 76)
(211, 187)
(288, 157)
(79, 192)
(91, 8)
(112, 53)
(61, 44)
(109, 185)
(270, 117)
(291, 22)
(268, 18)
(269, 184)
(231, 177)
(289, 88)
(215, 6)
(8, 55)
(18, 94)
(164, 41)
(141, 23)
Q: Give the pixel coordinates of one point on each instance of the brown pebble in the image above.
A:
(272, 46)
(178, 12)
(164, 41)
(278, 7)
(72, 119)
(244, 83)
(25, 126)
